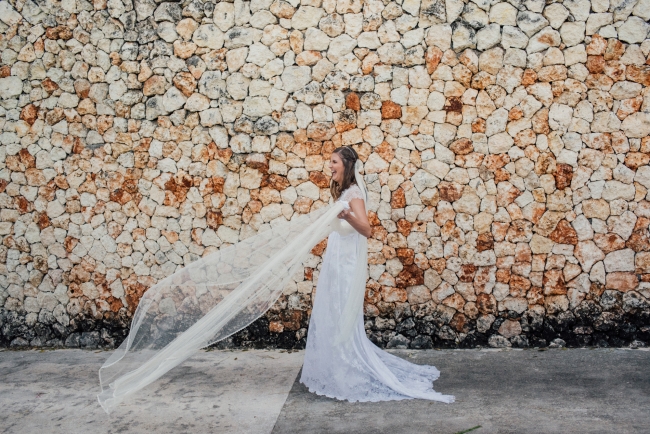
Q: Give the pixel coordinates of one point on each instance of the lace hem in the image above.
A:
(447, 399)
(338, 398)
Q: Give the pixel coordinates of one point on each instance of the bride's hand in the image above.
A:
(345, 214)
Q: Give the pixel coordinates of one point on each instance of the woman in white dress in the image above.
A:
(223, 292)
(357, 370)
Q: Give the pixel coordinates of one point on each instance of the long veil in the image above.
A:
(209, 300)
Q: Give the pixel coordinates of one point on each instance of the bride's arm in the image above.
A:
(358, 218)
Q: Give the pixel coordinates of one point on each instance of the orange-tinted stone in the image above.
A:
(432, 58)
(450, 191)
(609, 242)
(622, 281)
(390, 110)
(564, 233)
(485, 241)
(595, 64)
(639, 74)
(398, 199)
(352, 101)
(185, 82)
(529, 77)
(597, 46)
(462, 146)
(634, 160)
(554, 283)
(486, 303)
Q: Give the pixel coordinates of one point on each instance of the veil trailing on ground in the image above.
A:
(209, 300)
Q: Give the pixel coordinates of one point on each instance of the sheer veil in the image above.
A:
(209, 300)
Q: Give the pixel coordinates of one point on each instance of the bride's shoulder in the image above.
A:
(352, 192)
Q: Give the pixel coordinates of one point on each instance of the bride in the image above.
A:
(356, 370)
(225, 291)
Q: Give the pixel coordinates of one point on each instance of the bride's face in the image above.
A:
(337, 168)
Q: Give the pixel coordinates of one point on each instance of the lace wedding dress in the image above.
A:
(223, 292)
(359, 370)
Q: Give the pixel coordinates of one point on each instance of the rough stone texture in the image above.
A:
(505, 147)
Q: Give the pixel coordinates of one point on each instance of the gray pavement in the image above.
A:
(516, 391)
(213, 392)
(257, 391)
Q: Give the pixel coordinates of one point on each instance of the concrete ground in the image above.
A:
(498, 391)
(213, 392)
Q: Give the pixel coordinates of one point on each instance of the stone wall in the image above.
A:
(505, 147)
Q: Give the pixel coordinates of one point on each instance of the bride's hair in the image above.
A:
(349, 157)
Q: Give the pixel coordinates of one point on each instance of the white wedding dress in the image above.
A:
(223, 292)
(360, 371)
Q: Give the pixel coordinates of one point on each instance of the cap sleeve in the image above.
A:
(353, 192)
